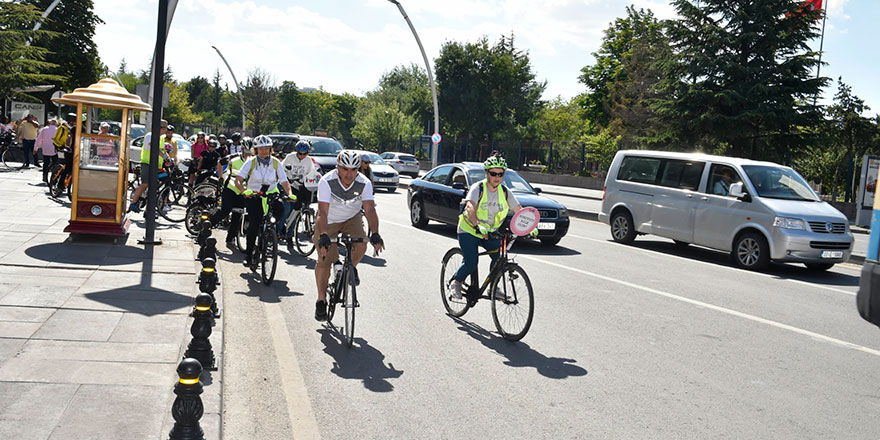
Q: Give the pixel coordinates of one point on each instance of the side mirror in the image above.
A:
(459, 185)
(538, 190)
(736, 190)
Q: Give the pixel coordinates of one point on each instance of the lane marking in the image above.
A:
(729, 268)
(712, 307)
(299, 408)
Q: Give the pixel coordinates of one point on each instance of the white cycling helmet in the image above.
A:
(348, 159)
(262, 141)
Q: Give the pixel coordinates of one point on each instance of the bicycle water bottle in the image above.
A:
(337, 270)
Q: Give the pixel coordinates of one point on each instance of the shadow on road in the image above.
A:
(523, 246)
(267, 294)
(519, 354)
(778, 270)
(361, 361)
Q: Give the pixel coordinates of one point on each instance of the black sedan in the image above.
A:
(438, 194)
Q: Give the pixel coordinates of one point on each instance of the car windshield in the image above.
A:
(407, 158)
(325, 147)
(137, 130)
(376, 160)
(512, 180)
(779, 183)
(183, 145)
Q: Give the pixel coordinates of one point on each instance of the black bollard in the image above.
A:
(208, 282)
(200, 347)
(204, 232)
(209, 249)
(187, 409)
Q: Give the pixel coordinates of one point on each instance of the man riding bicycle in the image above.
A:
(262, 173)
(342, 193)
(485, 210)
(145, 164)
(231, 197)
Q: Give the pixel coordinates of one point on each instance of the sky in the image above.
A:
(346, 45)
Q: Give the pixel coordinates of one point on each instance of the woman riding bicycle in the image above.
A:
(485, 210)
(263, 173)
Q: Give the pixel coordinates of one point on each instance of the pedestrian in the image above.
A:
(28, 131)
(45, 142)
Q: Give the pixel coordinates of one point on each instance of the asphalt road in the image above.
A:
(641, 341)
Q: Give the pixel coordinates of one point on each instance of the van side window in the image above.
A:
(682, 174)
(639, 169)
(720, 179)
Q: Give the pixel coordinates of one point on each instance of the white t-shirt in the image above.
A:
(298, 168)
(234, 149)
(262, 175)
(345, 203)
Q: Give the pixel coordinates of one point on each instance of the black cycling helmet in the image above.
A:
(213, 143)
(235, 136)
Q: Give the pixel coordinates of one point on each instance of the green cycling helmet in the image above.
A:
(495, 162)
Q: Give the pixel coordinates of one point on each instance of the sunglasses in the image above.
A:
(494, 174)
(301, 153)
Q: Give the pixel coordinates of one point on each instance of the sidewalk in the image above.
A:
(91, 329)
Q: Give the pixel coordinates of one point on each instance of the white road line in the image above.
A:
(711, 306)
(299, 409)
(741, 271)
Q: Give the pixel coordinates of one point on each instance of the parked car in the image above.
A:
(384, 176)
(404, 163)
(438, 194)
(284, 142)
(757, 211)
(137, 130)
(324, 151)
(184, 149)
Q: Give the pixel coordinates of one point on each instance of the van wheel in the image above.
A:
(751, 252)
(622, 230)
(417, 213)
(819, 267)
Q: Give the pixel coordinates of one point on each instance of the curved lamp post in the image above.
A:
(434, 148)
(237, 87)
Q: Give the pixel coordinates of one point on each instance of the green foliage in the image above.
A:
(23, 65)
(179, 110)
(260, 100)
(291, 109)
(601, 148)
(75, 55)
(381, 124)
(486, 90)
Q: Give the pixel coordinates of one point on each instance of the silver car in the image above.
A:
(757, 211)
(403, 163)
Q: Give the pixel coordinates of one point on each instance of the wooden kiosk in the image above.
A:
(100, 161)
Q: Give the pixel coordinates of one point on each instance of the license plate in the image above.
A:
(546, 225)
(831, 254)
(383, 179)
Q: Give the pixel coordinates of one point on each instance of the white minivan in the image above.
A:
(757, 211)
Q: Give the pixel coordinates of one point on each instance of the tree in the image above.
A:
(380, 124)
(320, 113)
(408, 86)
(638, 29)
(741, 81)
(290, 107)
(201, 95)
(346, 107)
(23, 65)
(76, 54)
(486, 90)
(179, 110)
(260, 100)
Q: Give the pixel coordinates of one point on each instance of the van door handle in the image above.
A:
(704, 198)
(690, 196)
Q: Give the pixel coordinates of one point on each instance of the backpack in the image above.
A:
(60, 138)
(463, 205)
(254, 166)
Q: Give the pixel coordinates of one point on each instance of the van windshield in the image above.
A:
(779, 183)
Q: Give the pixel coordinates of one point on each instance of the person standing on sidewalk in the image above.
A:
(45, 142)
(28, 131)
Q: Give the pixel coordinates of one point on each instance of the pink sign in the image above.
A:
(524, 221)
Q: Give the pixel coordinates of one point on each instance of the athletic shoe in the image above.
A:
(134, 208)
(455, 290)
(321, 311)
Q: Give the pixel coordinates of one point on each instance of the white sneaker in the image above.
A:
(499, 294)
(455, 290)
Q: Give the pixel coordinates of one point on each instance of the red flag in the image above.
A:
(813, 5)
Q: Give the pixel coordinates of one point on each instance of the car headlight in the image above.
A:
(563, 213)
(789, 223)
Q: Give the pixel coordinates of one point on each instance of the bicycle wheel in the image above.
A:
(349, 304)
(169, 210)
(514, 311)
(332, 299)
(54, 174)
(182, 195)
(193, 219)
(269, 255)
(241, 236)
(303, 232)
(451, 262)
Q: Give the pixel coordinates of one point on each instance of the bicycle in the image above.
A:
(266, 247)
(57, 186)
(343, 289)
(508, 283)
(11, 152)
(174, 195)
(303, 223)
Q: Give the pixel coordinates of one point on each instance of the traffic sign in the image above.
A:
(436, 138)
(57, 95)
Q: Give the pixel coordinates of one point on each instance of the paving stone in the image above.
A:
(114, 412)
(32, 410)
(161, 329)
(37, 350)
(8, 348)
(90, 372)
(25, 314)
(79, 325)
(169, 282)
(6, 288)
(142, 307)
(37, 296)
(10, 329)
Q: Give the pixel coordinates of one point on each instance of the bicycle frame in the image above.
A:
(507, 241)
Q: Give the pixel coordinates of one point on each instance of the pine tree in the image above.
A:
(23, 64)
(75, 53)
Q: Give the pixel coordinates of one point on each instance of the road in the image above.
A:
(641, 341)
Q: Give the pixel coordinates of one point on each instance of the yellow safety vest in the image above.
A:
(483, 211)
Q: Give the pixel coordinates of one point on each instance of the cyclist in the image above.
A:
(263, 172)
(298, 166)
(145, 164)
(199, 145)
(485, 210)
(342, 193)
(231, 198)
(365, 166)
(209, 160)
(221, 145)
(235, 146)
(169, 139)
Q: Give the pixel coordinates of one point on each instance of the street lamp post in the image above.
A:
(237, 87)
(434, 146)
